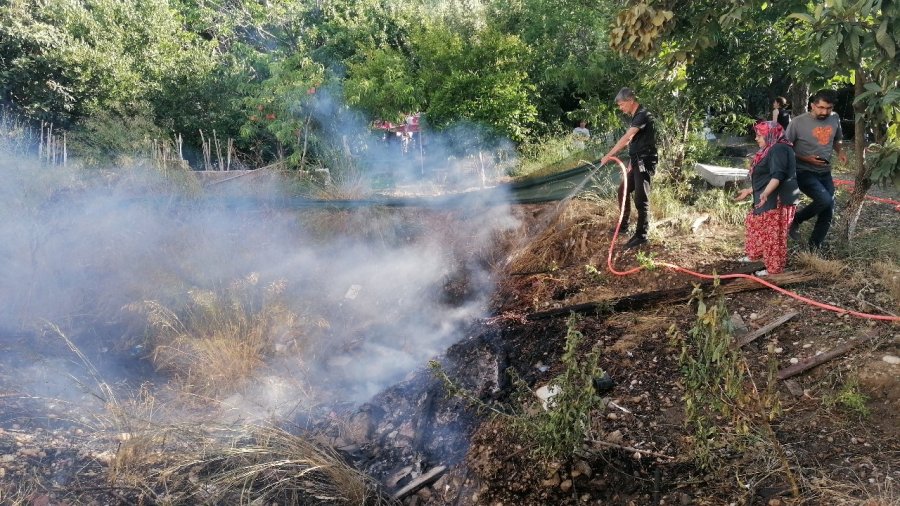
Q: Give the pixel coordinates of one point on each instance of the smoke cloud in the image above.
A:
(375, 291)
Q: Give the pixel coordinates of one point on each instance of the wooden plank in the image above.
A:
(648, 299)
(420, 482)
(783, 279)
(824, 357)
(765, 329)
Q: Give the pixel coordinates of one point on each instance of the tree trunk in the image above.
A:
(863, 181)
(798, 95)
(678, 162)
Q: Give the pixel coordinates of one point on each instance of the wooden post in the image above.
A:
(481, 168)
(752, 336)
(49, 143)
(218, 151)
(420, 482)
(656, 297)
(206, 155)
(421, 152)
(230, 147)
(824, 357)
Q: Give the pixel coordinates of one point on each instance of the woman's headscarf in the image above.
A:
(773, 133)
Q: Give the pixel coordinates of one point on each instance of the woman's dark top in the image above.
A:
(781, 164)
(784, 118)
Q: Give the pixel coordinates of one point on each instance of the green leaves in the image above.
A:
(884, 40)
(381, 82)
(713, 375)
(829, 49)
(63, 60)
(802, 16)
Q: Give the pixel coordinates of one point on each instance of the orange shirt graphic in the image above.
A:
(822, 134)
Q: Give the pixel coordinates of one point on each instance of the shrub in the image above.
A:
(216, 341)
(732, 123)
(713, 379)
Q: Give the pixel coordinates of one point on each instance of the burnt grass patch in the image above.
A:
(638, 449)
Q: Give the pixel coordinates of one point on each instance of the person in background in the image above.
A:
(641, 141)
(816, 135)
(580, 135)
(781, 112)
(773, 184)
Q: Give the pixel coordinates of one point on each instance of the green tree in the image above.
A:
(477, 77)
(451, 77)
(381, 81)
(573, 69)
(279, 108)
(67, 61)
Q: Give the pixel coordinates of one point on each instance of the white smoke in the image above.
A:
(75, 248)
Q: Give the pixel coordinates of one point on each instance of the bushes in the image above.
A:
(732, 123)
(109, 138)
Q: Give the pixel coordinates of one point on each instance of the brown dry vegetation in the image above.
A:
(231, 334)
(793, 450)
(828, 438)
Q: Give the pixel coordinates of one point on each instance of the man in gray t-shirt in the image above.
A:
(815, 136)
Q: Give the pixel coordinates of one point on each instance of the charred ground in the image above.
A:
(639, 449)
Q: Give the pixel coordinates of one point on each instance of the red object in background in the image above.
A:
(411, 124)
(270, 116)
(851, 184)
(311, 91)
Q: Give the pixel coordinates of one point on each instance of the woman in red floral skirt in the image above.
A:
(773, 183)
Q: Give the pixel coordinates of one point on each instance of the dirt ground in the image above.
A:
(834, 440)
(837, 454)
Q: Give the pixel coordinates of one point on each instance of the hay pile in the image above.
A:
(249, 465)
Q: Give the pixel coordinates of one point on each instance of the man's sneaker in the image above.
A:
(635, 241)
(761, 274)
(794, 231)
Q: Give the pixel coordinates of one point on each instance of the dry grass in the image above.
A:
(197, 464)
(21, 493)
(251, 465)
(889, 276)
(345, 185)
(217, 340)
(640, 324)
(824, 490)
(827, 268)
(337, 178)
(666, 208)
(574, 235)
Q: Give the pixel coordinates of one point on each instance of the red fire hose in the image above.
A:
(844, 182)
(674, 267)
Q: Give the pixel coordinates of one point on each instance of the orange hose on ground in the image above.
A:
(851, 184)
(674, 267)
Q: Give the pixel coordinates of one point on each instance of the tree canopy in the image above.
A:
(520, 69)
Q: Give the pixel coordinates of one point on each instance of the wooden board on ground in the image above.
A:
(648, 299)
(820, 359)
(752, 336)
